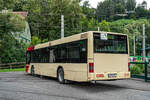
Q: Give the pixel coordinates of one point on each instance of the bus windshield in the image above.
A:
(110, 43)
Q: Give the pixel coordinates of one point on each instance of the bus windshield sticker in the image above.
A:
(103, 37)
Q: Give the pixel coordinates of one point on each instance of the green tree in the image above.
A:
(105, 9)
(72, 12)
(45, 17)
(87, 10)
(144, 4)
(108, 9)
(38, 17)
(35, 41)
(104, 26)
(134, 30)
(7, 4)
(131, 5)
(84, 24)
(119, 8)
(11, 49)
(19, 4)
(92, 25)
(141, 11)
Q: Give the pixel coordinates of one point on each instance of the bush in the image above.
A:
(142, 67)
(136, 70)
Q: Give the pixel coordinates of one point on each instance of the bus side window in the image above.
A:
(34, 56)
(83, 51)
(51, 56)
(63, 53)
(74, 52)
(57, 54)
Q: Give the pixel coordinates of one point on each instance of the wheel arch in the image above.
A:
(32, 69)
(59, 68)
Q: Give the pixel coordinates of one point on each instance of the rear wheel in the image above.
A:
(32, 71)
(60, 76)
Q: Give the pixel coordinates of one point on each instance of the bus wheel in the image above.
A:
(60, 76)
(32, 70)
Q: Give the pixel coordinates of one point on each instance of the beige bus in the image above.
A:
(89, 56)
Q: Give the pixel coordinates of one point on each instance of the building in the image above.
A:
(24, 36)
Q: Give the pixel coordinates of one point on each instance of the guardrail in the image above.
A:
(145, 72)
(12, 65)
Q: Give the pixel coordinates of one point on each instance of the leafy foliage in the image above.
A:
(105, 9)
(142, 12)
(7, 4)
(135, 70)
(104, 26)
(44, 17)
(130, 5)
(87, 11)
(11, 49)
(132, 28)
(35, 40)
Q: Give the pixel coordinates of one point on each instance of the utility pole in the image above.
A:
(134, 45)
(144, 42)
(98, 28)
(62, 26)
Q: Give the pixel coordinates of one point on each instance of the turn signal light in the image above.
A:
(91, 67)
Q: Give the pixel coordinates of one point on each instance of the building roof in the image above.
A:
(23, 14)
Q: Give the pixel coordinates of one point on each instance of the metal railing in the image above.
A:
(145, 71)
(12, 65)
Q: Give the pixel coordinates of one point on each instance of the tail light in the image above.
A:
(27, 68)
(91, 67)
(128, 66)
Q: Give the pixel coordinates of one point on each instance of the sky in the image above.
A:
(95, 2)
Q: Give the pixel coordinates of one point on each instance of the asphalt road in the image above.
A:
(20, 86)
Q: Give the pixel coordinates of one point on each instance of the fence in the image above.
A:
(12, 65)
(145, 76)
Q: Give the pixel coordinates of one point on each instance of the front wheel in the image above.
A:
(60, 76)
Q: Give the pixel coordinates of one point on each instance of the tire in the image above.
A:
(60, 76)
(32, 71)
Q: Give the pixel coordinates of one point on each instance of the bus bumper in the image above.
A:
(108, 76)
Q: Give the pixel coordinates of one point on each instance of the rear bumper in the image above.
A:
(108, 76)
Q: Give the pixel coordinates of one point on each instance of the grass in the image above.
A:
(13, 70)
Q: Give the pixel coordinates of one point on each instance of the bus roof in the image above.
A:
(75, 37)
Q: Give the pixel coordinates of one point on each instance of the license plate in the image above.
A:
(114, 75)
